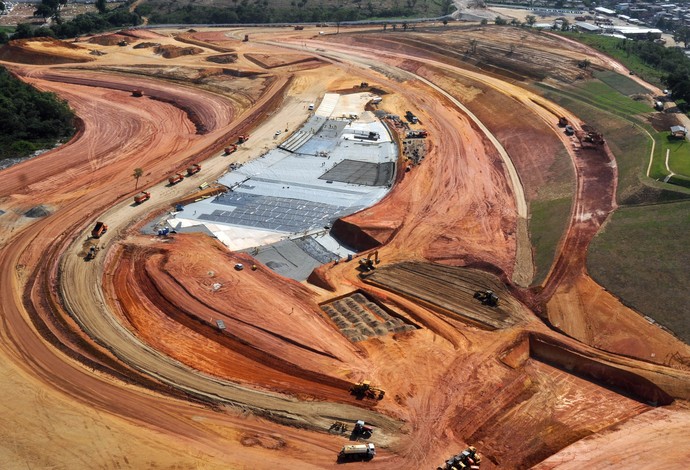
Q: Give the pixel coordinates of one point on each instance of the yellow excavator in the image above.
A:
(364, 389)
(368, 264)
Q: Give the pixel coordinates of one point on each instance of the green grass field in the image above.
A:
(620, 83)
(679, 153)
(549, 214)
(642, 256)
(548, 221)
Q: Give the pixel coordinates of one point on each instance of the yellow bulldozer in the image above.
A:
(364, 389)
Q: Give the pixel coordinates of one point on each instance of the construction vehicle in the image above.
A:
(193, 168)
(367, 264)
(230, 149)
(142, 196)
(246, 38)
(487, 297)
(357, 452)
(417, 134)
(299, 28)
(411, 117)
(242, 138)
(176, 178)
(366, 390)
(562, 122)
(338, 427)
(569, 130)
(362, 430)
(99, 230)
(468, 459)
(91, 254)
(137, 93)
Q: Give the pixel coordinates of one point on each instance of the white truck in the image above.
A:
(357, 452)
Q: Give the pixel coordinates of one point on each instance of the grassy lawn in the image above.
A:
(642, 256)
(620, 83)
(679, 156)
(548, 221)
(603, 96)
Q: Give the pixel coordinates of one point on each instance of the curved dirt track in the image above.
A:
(139, 319)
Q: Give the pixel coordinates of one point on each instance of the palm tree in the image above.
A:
(138, 173)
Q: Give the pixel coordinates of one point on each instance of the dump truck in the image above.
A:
(193, 169)
(142, 196)
(99, 230)
(230, 149)
(362, 430)
(299, 28)
(468, 459)
(176, 178)
(562, 121)
(242, 138)
(487, 297)
(357, 452)
(366, 390)
(137, 93)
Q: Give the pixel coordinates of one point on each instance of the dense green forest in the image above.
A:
(277, 11)
(30, 119)
(85, 23)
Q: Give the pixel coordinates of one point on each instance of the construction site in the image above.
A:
(327, 259)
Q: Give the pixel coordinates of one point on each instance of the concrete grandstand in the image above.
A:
(281, 206)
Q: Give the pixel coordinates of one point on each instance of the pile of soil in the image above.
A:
(172, 52)
(146, 45)
(43, 51)
(109, 39)
(223, 59)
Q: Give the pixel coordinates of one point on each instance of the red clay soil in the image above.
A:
(449, 384)
(456, 207)
(173, 304)
(43, 51)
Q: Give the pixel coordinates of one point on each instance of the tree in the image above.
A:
(565, 25)
(138, 173)
(2, 6)
(102, 6)
(530, 20)
(682, 34)
(500, 21)
(44, 11)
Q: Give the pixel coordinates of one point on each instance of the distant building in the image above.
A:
(678, 131)
(586, 27)
(605, 11)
